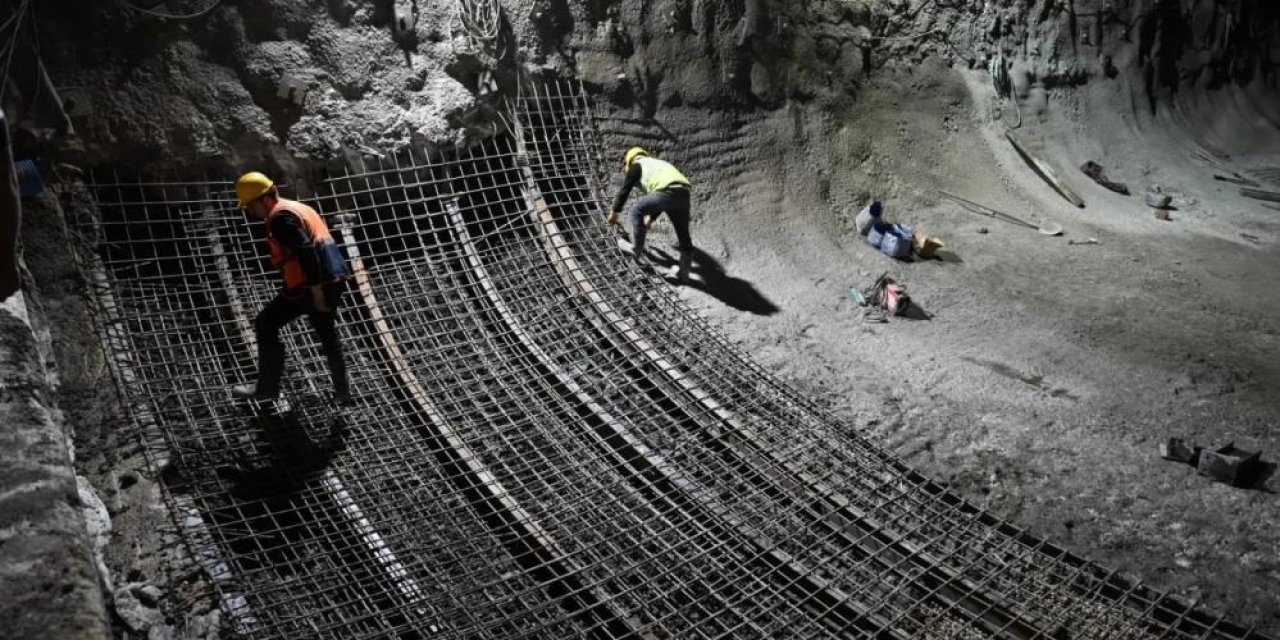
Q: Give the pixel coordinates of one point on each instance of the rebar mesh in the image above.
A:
(546, 442)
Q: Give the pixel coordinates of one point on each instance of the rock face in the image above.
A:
(761, 52)
(48, 584)
(273, 80)
(279, 80)
(138, 607)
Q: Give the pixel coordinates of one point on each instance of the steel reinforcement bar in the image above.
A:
(545, 441)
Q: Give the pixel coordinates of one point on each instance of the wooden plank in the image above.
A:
(1046, 171)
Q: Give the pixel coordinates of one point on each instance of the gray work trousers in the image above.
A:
(281, 311)
(675, 203)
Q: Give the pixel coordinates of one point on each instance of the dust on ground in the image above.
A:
(1041, 376)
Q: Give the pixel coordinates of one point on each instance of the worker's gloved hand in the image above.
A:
(317, 299)
(612, 220)
(648, 223)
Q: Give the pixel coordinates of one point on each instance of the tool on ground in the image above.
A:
(1088, 241)
(1047, 228)
(1228, 464)
(1235, 178)
(1099, 175)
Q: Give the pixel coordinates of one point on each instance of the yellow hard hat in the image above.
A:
(631, 155)
(251, 186)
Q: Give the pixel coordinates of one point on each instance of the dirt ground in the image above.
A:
(1043, 375)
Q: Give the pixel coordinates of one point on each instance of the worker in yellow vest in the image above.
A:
(315, 275)
(666, 190)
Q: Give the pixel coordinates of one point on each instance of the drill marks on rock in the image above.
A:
(1034, 381)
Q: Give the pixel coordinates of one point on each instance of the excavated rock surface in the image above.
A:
(207, 91)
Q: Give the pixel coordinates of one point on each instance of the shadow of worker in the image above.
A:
(290, 457)
(710, 278)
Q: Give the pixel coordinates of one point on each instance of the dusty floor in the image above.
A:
(1047, 374)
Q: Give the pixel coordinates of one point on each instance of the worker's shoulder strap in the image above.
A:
(284, 206)
(305, 215)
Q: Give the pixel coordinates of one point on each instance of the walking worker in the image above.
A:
(665, 190)
(315, 275)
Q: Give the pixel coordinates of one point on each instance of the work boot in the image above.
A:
(644, 263)
(626, 246)
(686, 263)
(251, 392)
(338, 370)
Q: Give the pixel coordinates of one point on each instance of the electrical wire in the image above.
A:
(171, 16)
(481, 18)
(11, 45)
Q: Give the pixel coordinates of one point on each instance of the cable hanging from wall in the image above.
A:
(11, 30)
(171, 16)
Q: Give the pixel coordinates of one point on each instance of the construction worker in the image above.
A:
(315, 275)
(665, 190)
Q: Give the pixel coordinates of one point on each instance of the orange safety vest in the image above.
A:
(315, 228)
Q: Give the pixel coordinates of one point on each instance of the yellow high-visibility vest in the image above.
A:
(657, 175)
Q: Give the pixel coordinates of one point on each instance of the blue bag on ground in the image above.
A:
(897, 242)
(877, 233)
(29, 183)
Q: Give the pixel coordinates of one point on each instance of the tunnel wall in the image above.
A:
(49, 586)
(211, 91)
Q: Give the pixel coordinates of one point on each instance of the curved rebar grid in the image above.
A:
(546, 442)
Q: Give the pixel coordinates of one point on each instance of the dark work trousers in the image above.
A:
(281, 311)
(675, 202)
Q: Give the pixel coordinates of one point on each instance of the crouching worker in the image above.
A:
(315, 275)
(665, 190)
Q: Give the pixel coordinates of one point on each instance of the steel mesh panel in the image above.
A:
(546, 442)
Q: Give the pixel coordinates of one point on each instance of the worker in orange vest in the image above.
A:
(315, 275)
